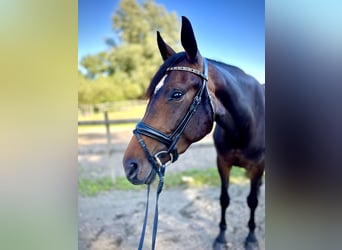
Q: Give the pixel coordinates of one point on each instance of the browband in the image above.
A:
(188, 69)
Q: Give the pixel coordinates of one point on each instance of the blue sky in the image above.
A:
(230, 31)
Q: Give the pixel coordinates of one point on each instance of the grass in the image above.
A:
(92, 187)
(125, 110)
(122, 110)
(101, 128)
(190, 178)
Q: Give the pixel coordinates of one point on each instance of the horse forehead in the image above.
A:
(175, 76)
(160, 84)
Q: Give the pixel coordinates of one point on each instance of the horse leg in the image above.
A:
(224, 171)
(252, 201)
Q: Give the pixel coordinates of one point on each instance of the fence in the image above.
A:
(202, 149)
(89, 109)
(106, 122)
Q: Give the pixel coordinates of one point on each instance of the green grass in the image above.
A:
(91, 187)
(126, 110)
(101, 128)
(94, 186)
(190, 178)
(202, 178)
(123, 110)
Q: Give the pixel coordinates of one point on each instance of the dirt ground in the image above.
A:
(188, 218)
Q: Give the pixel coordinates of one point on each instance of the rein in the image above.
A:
(170, 141)
(155, 220)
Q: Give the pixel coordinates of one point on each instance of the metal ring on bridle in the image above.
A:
(163, 152)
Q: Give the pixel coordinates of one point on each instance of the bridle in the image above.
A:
(170, 141)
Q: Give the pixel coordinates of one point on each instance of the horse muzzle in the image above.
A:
(137, 173)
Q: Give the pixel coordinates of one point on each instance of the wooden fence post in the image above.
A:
(109, 148)
(109, 143)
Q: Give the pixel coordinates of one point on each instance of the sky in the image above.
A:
(231, 31)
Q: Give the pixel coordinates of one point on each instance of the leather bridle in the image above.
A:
(170, 141)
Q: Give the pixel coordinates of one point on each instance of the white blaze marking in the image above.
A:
(160, 84)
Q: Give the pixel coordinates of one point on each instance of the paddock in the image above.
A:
(188, 217)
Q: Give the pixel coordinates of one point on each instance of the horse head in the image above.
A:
(180, 110)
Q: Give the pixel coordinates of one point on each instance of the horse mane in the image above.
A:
(225, 65)
(161, 72)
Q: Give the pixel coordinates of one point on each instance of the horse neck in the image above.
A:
(234, 98)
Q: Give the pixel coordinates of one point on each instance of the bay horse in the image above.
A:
(186, 96)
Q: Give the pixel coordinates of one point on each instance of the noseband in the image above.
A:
(170, 141)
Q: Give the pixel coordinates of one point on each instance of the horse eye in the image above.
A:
(176, 95)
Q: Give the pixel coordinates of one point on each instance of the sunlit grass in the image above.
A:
(124, 110)
(190, 178)
(102, 128)
(203, 178)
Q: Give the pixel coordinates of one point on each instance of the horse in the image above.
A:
(187, 95)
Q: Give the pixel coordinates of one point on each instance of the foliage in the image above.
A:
(126, 68)
(102, 89)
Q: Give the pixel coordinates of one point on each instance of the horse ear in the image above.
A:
(188, 39)
(165, 50)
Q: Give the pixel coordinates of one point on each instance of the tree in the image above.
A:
(136, 23)
(131, 61)
(96, 64)
(102, 89)
(85, 94)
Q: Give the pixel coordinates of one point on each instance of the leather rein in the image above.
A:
(170, 141)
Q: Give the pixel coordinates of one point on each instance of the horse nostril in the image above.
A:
(133, 165)
(132, 169)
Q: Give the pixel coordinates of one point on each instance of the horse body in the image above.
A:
(240, 125)
(239, 137)
(226, 95)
